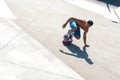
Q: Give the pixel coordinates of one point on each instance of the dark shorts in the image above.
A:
(74, 25)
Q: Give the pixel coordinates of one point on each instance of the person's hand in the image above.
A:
(87, 45)
(63, 26)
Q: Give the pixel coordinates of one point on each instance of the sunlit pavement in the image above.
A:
(22, 57)
(106, 10)
(42, 20)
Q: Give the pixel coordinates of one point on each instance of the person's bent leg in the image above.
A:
(73, 27)
(71, 31)
(77, 33)
(77, 37)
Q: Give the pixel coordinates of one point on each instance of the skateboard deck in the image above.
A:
(67, 42)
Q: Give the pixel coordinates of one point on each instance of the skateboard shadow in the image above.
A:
(77, 52)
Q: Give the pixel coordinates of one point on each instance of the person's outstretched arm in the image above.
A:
(64, 25)
(84, 39)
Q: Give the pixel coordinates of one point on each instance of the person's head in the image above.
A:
(90, 23)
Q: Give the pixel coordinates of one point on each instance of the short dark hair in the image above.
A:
(90, 22)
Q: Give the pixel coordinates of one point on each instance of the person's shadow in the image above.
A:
(77, 52)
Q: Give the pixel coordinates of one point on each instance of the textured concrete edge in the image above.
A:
(116, 11)
(5, 11)
(37, 44)
(112, 15)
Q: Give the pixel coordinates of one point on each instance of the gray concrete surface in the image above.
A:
(5, 12)
(43, 20)
(23, 58)
(100, 7)
(117, 12)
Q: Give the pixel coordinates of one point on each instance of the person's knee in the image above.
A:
(74, 29)
(77, 37)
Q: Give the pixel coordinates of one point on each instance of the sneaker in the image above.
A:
(70, 37)
(66, 37)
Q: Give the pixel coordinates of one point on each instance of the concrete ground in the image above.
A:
(43, 20)
(23, 58)
(100, 7)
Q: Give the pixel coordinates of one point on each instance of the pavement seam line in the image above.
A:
(36, 69)
(9, 42)
(41, 12)
(20, 33)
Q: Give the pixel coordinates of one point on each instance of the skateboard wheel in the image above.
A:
(67, 42)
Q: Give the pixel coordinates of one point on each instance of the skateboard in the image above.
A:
(66, 41)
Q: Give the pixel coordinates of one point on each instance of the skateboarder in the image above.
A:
(76, 25)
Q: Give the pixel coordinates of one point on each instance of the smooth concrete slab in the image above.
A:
(5, 12)
(29, 8)
(25, 51)
(100, 61)
(7, 33)
(11, 71)
(22, 57)
(117, 11)
(98, 7)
